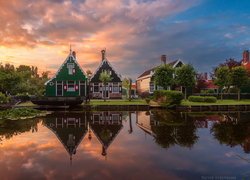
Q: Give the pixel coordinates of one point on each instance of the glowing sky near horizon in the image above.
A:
(134, 32)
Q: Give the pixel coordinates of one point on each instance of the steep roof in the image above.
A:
(105, 65)
(70, 58)
(148, 72)
(106, 133)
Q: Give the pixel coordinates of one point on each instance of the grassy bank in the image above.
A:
(21, 113)
(219, 102)
(118, 102)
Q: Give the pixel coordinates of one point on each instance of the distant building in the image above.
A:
(145, 82)
(113, 88)
(245, 62)
(69, 81)
(208, 84)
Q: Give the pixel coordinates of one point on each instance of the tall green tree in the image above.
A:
(185, 77)
(127, 83)
(222, 78)
(164, 76)
(105, 78)
(239, 78)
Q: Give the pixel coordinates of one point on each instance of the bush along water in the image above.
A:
(168, 98)
(3, 99)
(207, 99)
(21, 113)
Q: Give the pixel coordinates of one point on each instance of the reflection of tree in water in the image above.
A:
(233, 130)
(173, 129)
(9, 128)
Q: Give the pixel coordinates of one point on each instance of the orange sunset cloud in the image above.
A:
(39, 32)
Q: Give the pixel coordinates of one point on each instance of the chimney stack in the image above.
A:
(245, 56)
(163, 59)
(74, 54)
(103, 54)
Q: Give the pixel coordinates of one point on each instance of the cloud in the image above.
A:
(134, 32)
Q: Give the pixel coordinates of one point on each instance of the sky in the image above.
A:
(135, 33)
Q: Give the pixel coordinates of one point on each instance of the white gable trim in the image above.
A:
(70, 55)
(100, 65)
(177, 62)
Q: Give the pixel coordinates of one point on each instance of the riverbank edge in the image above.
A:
(137, 107)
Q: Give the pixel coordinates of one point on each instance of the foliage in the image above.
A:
(230, 63)
(19, 113)
(3, 98)
(208, 91)
(23, 79)
(144, 95)
(126, 83)
(164, 76)
(208, 99)
(105, 77)
(238, 78)
(167, 97)
(22, 97)
(185, 76)
(200, 83)
(147, 100)
(222, 77)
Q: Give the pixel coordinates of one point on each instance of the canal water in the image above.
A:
(127, 145)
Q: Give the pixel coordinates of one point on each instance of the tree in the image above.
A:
(230, 63)
(200, 83)
(164, 76)
(222, 78)
(127, 83)
(185, 76)
(238, 78)
(105, 78)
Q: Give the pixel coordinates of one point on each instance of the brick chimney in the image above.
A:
(74, 54)
(103, 54)
(245, 59)
(163, 59)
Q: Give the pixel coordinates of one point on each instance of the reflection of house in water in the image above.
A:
(69, 129)
(105, 126)
(145, 121)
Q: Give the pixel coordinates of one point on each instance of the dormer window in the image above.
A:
(71, 68)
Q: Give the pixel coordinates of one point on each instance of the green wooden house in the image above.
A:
(69, 81)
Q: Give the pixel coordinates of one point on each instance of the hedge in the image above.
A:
(167, 97)
(209, 99)
(3, 99)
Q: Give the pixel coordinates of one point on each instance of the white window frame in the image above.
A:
(70, 67)
(150, 86)
(96, 86)
(70, 89)
(118, 89)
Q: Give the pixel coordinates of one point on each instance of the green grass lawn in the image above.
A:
(219, 102)
(118, 102)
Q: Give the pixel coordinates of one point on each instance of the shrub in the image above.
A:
(168, 97)
(22, 97)
(3, 99)
(196, 98)
(145, 95)
(209, 99)
(147, 100)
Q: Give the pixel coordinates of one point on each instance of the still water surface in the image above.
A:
(127, 145)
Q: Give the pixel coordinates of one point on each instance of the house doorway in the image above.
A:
(59, 89)
(105, 94)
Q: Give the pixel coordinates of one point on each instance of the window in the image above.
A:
(71, 67)
(115, 87)
(96, 87)
(151, 87)
(71, 86)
